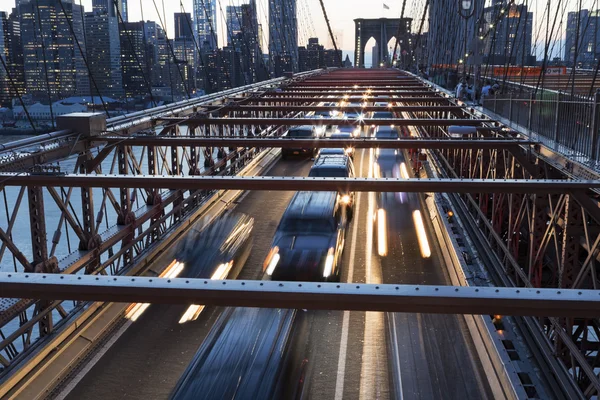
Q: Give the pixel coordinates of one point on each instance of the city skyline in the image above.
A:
(341, 14)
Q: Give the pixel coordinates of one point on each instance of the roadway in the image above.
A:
(343, 354)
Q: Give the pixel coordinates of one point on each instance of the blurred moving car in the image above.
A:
(219, 250)
(336, 166)
(348, 150)
(309, 240)
(301, 132)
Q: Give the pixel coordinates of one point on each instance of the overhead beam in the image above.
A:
(397, 109)
(324, 96)
(385, 94)
(305, 295)
(236, 141)
(327, 121)
(405, 100)
(279, 183)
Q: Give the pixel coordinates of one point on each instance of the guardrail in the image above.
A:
(566, 120)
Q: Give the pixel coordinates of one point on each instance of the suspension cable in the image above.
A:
(338, 55)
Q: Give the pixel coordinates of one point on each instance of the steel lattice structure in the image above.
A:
(532, 212)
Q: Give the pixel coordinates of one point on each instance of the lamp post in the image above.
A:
(466, 10)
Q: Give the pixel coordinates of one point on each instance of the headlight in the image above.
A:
(349, 150)
(273, 261)
(346, 199)
(328, 263)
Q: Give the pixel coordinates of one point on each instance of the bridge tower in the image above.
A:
(382, 30)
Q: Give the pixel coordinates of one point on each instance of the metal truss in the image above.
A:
(280, 183)
(540, 240)
(103, 231)
(538, 224)
(306, 295)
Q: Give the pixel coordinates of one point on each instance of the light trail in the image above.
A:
(421, 235)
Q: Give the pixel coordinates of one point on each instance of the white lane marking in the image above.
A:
(373, 366)
(397, 351)
(339, 381)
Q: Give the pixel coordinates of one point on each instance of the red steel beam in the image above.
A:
(398, 93)
(244, 108)
(279, 183)
(328, 121)
(350, 91)
(406, 100)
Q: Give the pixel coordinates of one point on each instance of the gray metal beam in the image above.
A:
(307, 295)
(236, 141)
(279, 183)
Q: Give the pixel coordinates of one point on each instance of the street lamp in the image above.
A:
(466, 10)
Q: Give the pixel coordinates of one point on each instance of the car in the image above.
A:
(323, 114)
(321, 127)
(354, 130)
(348, 150)
(382, 114)
(219, 250)
(336, 166)
(309, 240)
(300, 132)
(331, 152)
(386, 160)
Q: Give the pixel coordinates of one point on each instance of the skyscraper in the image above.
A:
(113, 8)
(205, 22)
(11, 78)
(157, 54)
(588, 48)
(104, 49)
(252, 53)
(283, 35)
(53, 63)
(447, 31)
(511, 41)
(183, 26)
(135, 59)
(234, 24)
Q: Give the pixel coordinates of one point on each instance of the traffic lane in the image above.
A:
(242, 358)
(435, 354)
(333, 349)
(150, 356)
(267, 208)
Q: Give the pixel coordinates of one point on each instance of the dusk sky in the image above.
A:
(340, 12)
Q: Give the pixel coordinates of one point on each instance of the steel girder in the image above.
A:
(382, 95)
(237, 141)
(307, 295)
(433, 98)
(329, 121)
(303, 183)
(263, 108)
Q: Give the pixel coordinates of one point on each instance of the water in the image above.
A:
(21, 233)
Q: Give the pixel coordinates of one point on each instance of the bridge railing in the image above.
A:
(565, 122)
